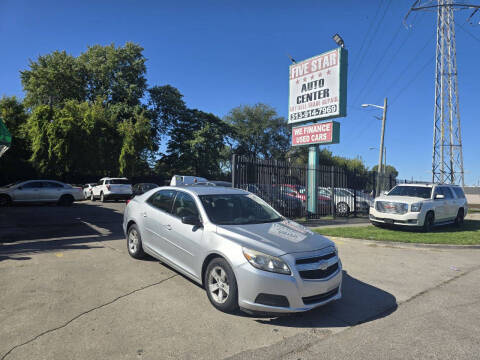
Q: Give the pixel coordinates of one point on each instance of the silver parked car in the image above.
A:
(40, 191)
(244, 253)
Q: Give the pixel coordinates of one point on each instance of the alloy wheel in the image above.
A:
(218, 285)
(133, 241)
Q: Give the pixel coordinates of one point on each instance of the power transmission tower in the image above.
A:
(447, 157)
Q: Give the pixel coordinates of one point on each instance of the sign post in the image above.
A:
(318, 92)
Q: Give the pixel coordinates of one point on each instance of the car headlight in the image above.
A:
(416, 207)
(266, 262)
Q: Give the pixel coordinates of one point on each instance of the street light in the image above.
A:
(382, 135)
(377, 106)
(338, 39)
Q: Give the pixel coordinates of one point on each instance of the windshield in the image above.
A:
(118, 181)
(413, 191)
(12, 184)
(238, 209)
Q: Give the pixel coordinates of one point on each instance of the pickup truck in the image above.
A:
(111, 189)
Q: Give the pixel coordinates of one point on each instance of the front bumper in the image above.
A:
(407, 219)
(301, 294)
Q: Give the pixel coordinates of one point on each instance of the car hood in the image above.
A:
(275, 239)
(401, 199)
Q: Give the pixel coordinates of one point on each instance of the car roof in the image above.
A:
(114, 178)
(206, 190)
(426, 184)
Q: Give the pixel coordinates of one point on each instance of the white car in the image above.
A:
(346, 200)
(112, 189)
(424, 205)
(87, 190)
(40, 191)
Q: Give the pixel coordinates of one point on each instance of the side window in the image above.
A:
(445, 190)
(184, 205)
(32, 185)
(162, 200)
(459, 192)
(50, 184)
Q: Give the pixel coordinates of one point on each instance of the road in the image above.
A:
(70, 291)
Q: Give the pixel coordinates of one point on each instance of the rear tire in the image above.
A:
(221, 285)
(92, 198)
(460, 218)
(429, 221)
(343, 209)
(5, 200)
(134, 242)
(66, 200)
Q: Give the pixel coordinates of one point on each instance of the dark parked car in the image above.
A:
(286, 205)
(140, 188)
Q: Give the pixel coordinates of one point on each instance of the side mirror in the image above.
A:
(191, 220)
(439, 196)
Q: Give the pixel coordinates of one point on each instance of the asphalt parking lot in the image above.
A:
(69, 290)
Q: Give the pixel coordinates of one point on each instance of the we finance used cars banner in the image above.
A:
(321, 133)
(318, 87)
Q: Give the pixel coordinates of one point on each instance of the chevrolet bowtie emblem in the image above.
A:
(323, 266)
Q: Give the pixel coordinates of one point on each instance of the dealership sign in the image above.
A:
(321, 133)
(318, 87)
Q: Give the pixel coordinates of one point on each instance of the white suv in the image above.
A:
(112, 189)
(424, 205)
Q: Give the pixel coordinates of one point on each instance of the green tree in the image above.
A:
(78, 139)
(258, 131)
(196, 145)
(136, 146)
(116, 74)
(167, 107)
(14, 163)
(52, 79)
(390, 170)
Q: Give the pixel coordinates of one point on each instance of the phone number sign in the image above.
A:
(321, 133)
(318, 87)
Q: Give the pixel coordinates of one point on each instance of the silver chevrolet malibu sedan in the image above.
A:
(242, 251)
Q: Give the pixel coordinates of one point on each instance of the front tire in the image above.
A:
(429, 221)
(460, 218)
(221, 285)
(5, 200)
(102, 197)
(134, 242)
(92, 198)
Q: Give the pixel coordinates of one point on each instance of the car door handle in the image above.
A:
(168, 227)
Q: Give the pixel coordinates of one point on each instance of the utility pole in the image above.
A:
(382, 136)
(447, 154)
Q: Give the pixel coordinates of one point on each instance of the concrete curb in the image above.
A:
(400, 244)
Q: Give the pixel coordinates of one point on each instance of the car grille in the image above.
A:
(315, 259)
(319, 273)
(319, 298)
(391, 207)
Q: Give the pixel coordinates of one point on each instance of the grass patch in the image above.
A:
(474, 210)
(468, 234)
